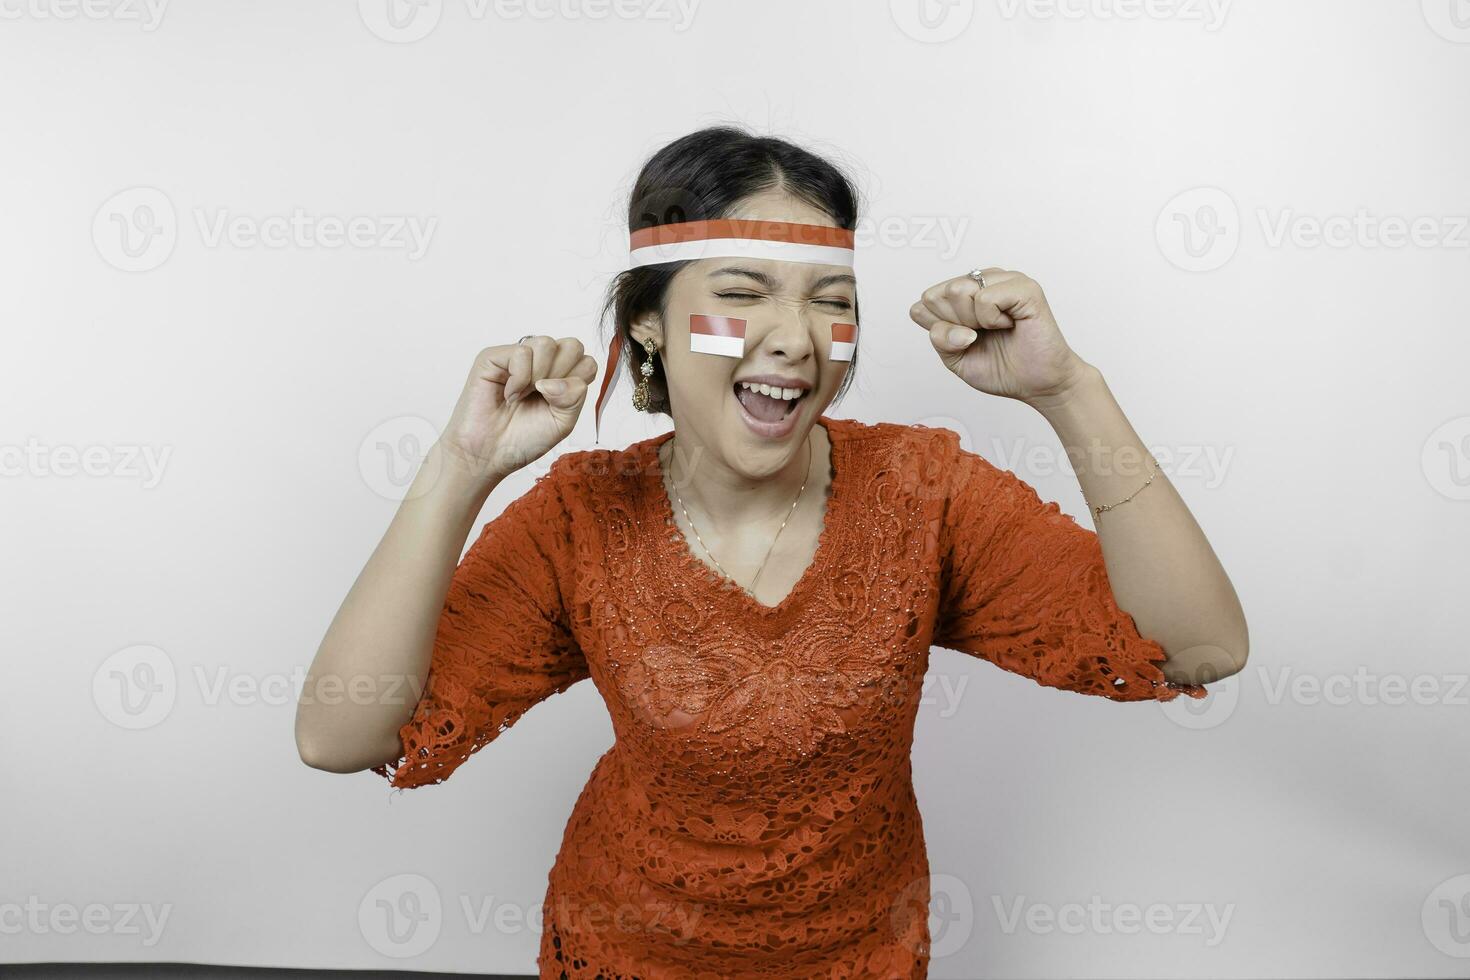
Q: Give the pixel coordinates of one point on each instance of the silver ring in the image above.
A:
(525, 338)
(978, 276)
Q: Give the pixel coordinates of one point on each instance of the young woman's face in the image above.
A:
(788, 309)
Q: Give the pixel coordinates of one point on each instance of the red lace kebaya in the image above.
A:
(756, 815)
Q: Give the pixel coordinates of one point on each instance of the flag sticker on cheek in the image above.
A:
(844, 341)
(722, 335)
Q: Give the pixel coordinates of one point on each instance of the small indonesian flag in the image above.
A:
(722, 335)
(844, 341)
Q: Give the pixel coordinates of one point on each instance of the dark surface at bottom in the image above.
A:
(189, 971)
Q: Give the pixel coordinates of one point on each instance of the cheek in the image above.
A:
(832, 374)
(702, 374)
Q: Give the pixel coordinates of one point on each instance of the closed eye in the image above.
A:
(840, 304)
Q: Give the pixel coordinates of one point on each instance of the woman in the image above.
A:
(754, 594)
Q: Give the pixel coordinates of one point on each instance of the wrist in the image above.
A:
(1082, 383)
(448, 479)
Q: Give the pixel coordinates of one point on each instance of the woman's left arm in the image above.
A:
(1003, 340)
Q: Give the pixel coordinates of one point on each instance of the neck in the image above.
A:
(728, 499)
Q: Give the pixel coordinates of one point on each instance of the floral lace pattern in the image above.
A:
(756, 816)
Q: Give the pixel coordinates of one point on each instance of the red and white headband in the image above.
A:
(783, 241)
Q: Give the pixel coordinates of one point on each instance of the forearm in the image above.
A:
(1161, 567)
(370, 669)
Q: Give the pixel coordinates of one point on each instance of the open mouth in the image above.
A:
(766, 403)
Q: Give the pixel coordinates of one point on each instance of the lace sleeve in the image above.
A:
(503, 642)
(1024, 586)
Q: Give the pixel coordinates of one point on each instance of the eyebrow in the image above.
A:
(770, 283)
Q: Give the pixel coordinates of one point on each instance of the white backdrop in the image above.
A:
(1251, 216)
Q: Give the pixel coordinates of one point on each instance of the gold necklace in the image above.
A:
(772, 548)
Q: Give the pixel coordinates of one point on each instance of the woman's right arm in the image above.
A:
(371, 667)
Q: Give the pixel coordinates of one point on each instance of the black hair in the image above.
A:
(700, 177)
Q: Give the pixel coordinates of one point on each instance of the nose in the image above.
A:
(789, 334)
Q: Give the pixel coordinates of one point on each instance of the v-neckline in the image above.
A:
(654, 480)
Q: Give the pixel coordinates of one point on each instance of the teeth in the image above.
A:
(786, 394)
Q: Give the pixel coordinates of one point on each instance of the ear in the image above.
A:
(649, 326)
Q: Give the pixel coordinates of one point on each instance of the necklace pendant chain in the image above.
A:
(772, 548)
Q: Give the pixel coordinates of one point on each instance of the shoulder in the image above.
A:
(584, 474)
(891, 433)
(931, 449)
(927, 462)
(879, 435)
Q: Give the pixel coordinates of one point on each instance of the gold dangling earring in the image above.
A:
(640, 390)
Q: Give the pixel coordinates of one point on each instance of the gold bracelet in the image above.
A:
(1097, 511)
